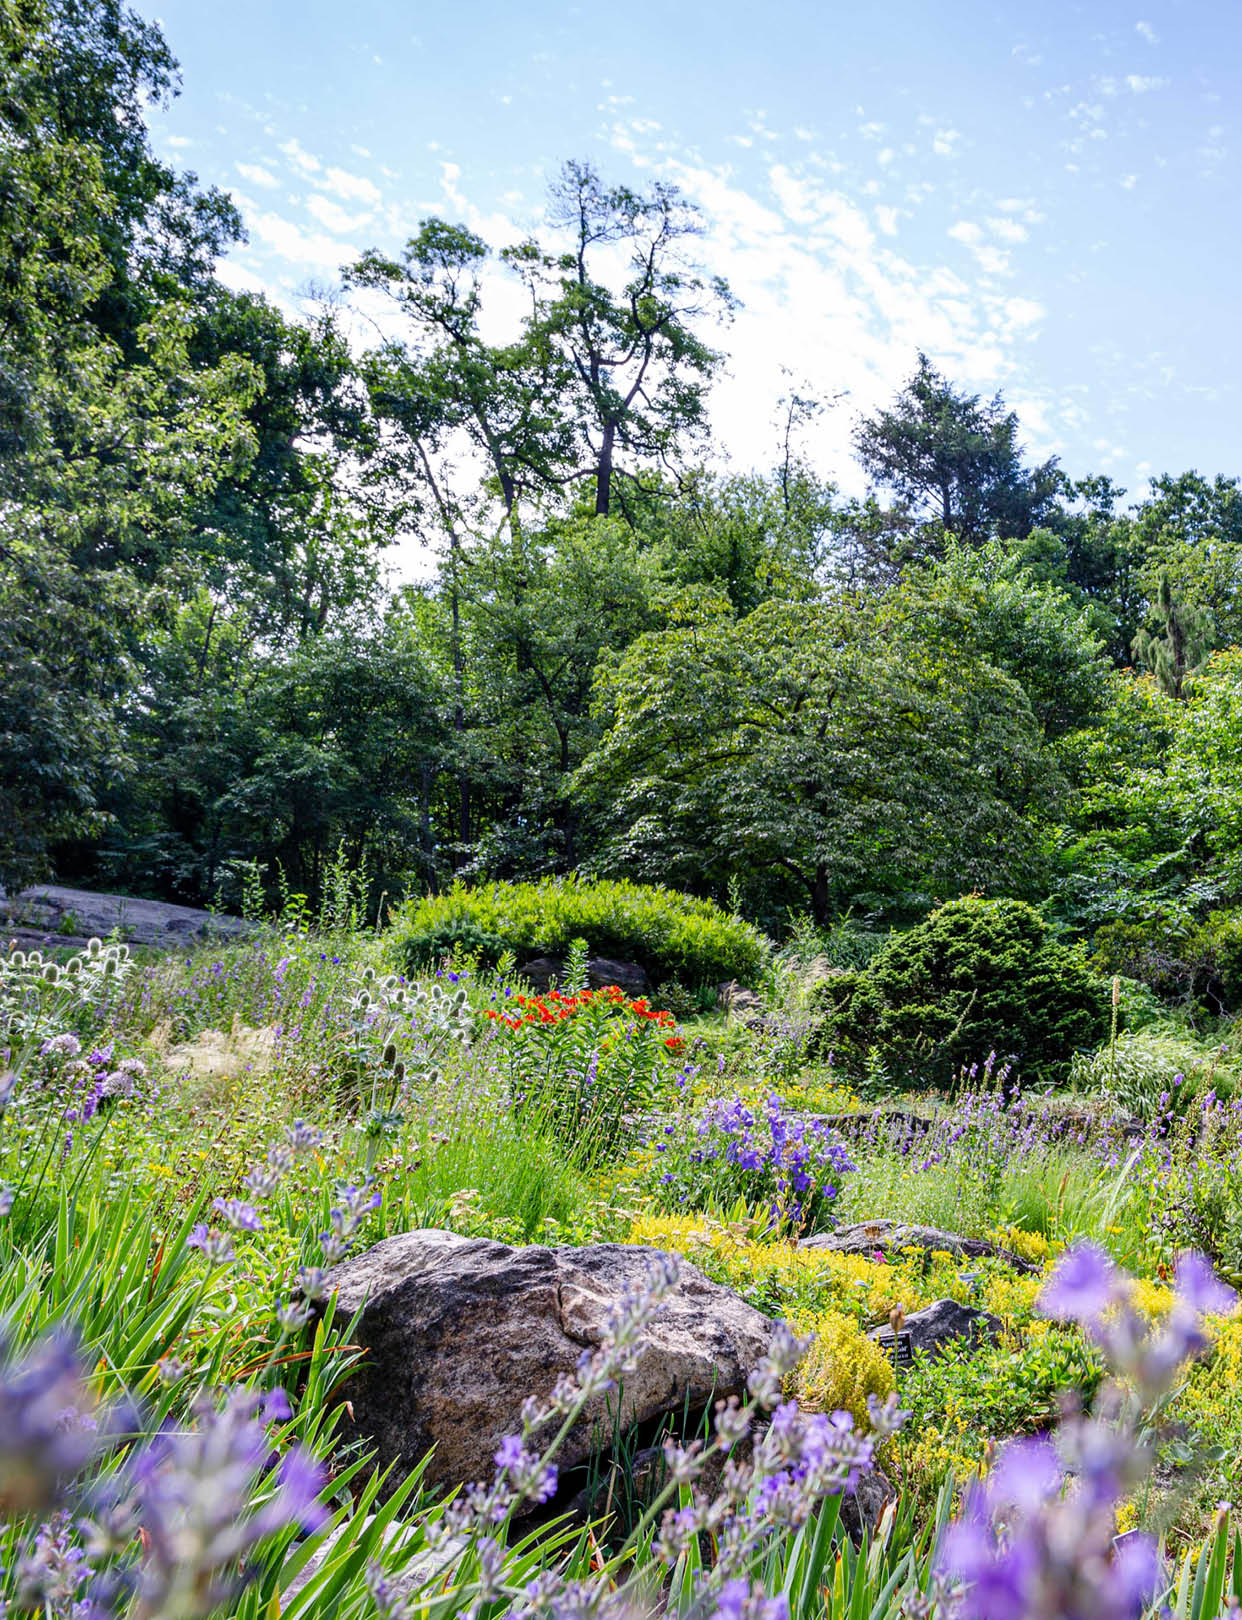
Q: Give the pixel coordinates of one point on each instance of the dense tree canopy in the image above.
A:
(982, 674)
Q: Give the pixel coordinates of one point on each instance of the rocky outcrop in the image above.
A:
(544, 971)
(929, 1332)
(459, 1332)
(887, 1237)
(50, 915)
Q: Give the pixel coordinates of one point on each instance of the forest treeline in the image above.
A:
(985, 674)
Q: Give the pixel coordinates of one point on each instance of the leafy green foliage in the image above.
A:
(1003, 1389)
(670, 935)
(956, 462)
(817, 754)
(978, 976)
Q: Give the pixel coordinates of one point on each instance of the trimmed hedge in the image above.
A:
(671, 935)
(977, 976)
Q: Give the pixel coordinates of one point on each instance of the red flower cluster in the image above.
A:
(555, 1008)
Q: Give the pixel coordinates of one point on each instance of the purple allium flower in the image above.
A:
(8, 1085)
(66, 1045)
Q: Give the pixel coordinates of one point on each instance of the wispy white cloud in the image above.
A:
(944, 142)
(287, 240)
(1140, 83)
(1145, 31)
(300, 157)
(352, 187)
(257, 175)
(333, 217)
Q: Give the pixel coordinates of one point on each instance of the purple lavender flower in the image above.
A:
(216, 1246)
(303, 1138)
(355, 1204)
(739, 1600)
(196, 1493)
(242, 1217)
(50, 1427)
(1083, 1285)
(1198, 1287)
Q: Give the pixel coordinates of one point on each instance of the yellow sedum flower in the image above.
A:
(842, 1367)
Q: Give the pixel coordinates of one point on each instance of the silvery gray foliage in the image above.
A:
(36, 992)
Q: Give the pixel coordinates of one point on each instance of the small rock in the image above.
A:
(740, 1003)
(932, 1329)
(888, 1237)
(861, 1508)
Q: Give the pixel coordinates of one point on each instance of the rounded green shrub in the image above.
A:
(978, 976)
(671, 935)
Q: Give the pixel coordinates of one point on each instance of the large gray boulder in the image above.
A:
(51, 915)
(544, 971)
(887, 1237)
(459, 1332)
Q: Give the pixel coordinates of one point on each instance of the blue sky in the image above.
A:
(1042, 197)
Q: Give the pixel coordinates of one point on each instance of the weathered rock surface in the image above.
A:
(50, 915)
(601, 970)
(459, 1332)
(862, 1507)
(887, 1237)
(931, 1330)
(740, 1003)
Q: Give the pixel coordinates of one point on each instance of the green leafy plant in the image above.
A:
(671, 935)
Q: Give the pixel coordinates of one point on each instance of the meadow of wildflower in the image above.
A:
(190, 1143)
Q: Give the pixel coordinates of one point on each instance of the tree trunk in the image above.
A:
(819, 896)
(603, 470)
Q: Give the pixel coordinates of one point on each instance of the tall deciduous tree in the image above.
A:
(816, 754)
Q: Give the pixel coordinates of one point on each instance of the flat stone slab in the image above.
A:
(888, 1237)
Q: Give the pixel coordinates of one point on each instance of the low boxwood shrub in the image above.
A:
(671, 935)
(977, 976)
